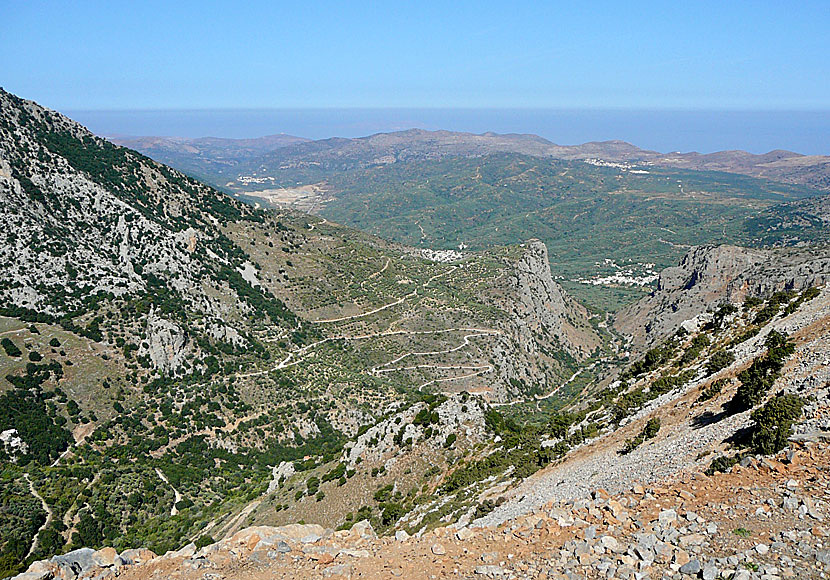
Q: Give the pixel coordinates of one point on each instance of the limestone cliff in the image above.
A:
(709, 276)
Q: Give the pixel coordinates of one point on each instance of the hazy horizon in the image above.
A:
(662, 130)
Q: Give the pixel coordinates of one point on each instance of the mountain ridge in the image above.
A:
(781, 165)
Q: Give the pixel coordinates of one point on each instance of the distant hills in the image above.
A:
(213, 158)
(205, 155)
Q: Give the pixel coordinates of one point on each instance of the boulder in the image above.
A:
(138, 555)
(74, 563)
(363, 529)
(105, 557)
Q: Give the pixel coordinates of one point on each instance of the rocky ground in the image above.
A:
(766, 519)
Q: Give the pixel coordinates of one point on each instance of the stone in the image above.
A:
(710, 572)
(120, 561)
(401, 535)
(364, 529)
(337, 570)
(681, 557)
(105, 557)
(617, 510)
(762, 549)
(438, 549)
(185, 552)
(590, 532)
(464, 534)
(667, 517)
(610, 543)
(692, 540)
(354, 553)
(75, 562)
(691, 568)
(138, 555)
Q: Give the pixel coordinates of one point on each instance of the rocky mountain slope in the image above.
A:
(761, 520)
(711, 276)
(665, 506)
(178, 366)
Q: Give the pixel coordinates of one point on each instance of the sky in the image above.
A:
(87, 55)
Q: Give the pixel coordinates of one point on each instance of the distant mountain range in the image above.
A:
(214, 159)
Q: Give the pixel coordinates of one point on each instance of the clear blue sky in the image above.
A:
(181, 54)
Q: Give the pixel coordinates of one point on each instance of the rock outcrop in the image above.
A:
(547, 325)
(709, 276)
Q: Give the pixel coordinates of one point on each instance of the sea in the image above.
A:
(704, 131)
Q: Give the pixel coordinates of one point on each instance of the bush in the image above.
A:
(773, 423)
(649, 432)
(722, 464)
(652, 428)
(713, 391)
(10, 347)
(752, 302)
(721, 314)
(757, 380)
(391, 513)
(204, 540)
(719, 361)
(699, 342)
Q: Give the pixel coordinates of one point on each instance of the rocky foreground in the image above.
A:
(766, 519)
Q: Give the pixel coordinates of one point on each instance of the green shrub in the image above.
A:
(752, 302)
(650, 431)
(712, 391)
(722, 464)
(773, 423)
(699, 342)
(10, 347)
(204, 540)
(719, 361)
(652, 428)
(721, 313)
(757, 380)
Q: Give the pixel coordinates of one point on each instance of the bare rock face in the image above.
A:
(168, 345)
(458, 415)
(709, 276)
(540, 303)
(543, 320)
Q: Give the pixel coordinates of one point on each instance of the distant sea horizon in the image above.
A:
(704, 131)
